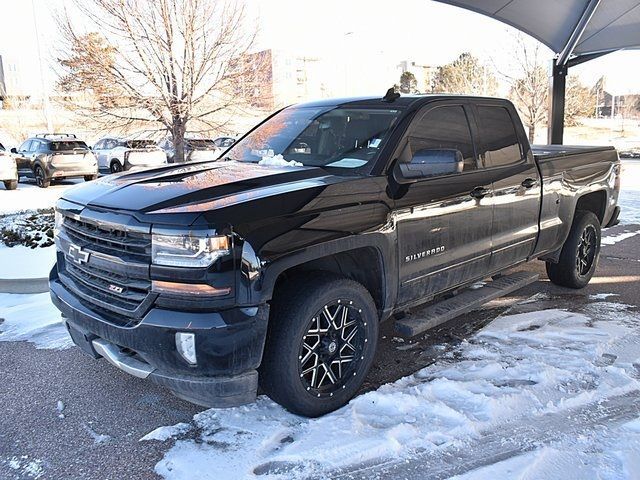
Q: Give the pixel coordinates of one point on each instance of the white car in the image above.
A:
(118, 154)
(195, 149)
(8, 169)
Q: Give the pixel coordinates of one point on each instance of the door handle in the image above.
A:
(479, 192)
(529, 183)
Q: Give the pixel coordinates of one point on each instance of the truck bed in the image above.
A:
(544, 153)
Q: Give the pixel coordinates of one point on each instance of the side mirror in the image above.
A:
(13, 150)
(429, 162)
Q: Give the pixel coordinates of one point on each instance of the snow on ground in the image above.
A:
(32, 318)
(28, 196)
(516, 369)
(24, 262)
(613, 239)
(629, 199)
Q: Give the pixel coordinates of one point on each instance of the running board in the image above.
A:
(436, 314)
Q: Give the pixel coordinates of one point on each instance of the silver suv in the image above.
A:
(55, 156)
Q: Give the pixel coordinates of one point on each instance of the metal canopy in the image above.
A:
(576, 30)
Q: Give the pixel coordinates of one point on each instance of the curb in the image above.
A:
(24, 285)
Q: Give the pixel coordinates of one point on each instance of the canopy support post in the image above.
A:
(556, 114)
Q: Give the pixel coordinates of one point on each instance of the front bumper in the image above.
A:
(229, 346)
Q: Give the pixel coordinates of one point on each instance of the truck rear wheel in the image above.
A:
(580, 252)
(321, 343)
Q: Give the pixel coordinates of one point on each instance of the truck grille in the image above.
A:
(106, 266)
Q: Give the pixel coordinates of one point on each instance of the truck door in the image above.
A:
(443, 221)
(516, 184)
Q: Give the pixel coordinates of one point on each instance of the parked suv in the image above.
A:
(195, 149)
(118, 154)
(8, 170)
(55, 156)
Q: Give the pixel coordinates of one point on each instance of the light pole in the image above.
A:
(46, 108)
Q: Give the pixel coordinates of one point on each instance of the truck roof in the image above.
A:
(403, 101)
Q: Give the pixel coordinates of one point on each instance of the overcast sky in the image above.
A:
(384, 32)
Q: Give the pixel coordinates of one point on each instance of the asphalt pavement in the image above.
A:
(105, 412)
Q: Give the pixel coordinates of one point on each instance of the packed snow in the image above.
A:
(613, 239)
(23, 262)
(517, 369)
(278, 161)
(29, 196)
(32, 318)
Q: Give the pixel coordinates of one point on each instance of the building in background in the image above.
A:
(615, 104)
(272, 79)
(424, 74)
(12, 81)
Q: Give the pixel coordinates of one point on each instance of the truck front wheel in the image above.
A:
(321, 343)
(580, 253)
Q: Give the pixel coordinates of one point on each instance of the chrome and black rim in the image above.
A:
(586, 250)
(332, 348)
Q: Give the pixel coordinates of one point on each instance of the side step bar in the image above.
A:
(433, 315)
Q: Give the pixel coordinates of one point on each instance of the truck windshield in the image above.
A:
(340, 137)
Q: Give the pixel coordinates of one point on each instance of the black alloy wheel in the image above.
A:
(321, 341)
(332, 348)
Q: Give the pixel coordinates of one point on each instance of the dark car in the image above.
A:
(55, 156)
(276, 264)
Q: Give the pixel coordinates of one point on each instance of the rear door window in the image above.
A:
(499, 136)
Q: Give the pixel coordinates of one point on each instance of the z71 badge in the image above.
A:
(423, 254)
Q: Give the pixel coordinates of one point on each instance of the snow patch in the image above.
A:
(278, 161)
(519, 366)
(25, 467)
(164, 433)
(32, 318)
(23, 262)
(613, 239)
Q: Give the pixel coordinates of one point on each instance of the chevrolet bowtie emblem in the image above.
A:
(78, 255)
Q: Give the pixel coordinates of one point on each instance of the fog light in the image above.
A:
(186, 345)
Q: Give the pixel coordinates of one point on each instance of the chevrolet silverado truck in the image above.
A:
(216, 278)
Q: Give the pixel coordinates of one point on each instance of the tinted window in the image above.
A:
(67, 145)
(444, 128)
(99, 145)
(25, 146)
(139, 143)
(499, 135)
(35, 145)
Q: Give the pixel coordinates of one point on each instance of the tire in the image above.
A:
(88, 178)
(41, 180)
(292, 346)
(11, 184)
(580, 253)
(115, 166)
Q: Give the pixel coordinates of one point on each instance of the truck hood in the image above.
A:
(192, 187)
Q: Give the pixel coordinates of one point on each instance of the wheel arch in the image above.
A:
(366, 262)
(595, 202)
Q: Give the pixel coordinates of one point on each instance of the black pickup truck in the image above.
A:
(274, 265)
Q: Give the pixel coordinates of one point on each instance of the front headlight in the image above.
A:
(189, 250)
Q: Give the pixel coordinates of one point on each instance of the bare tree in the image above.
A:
(529, 84)
(159, 65)
(580, 101)
(466, 74)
